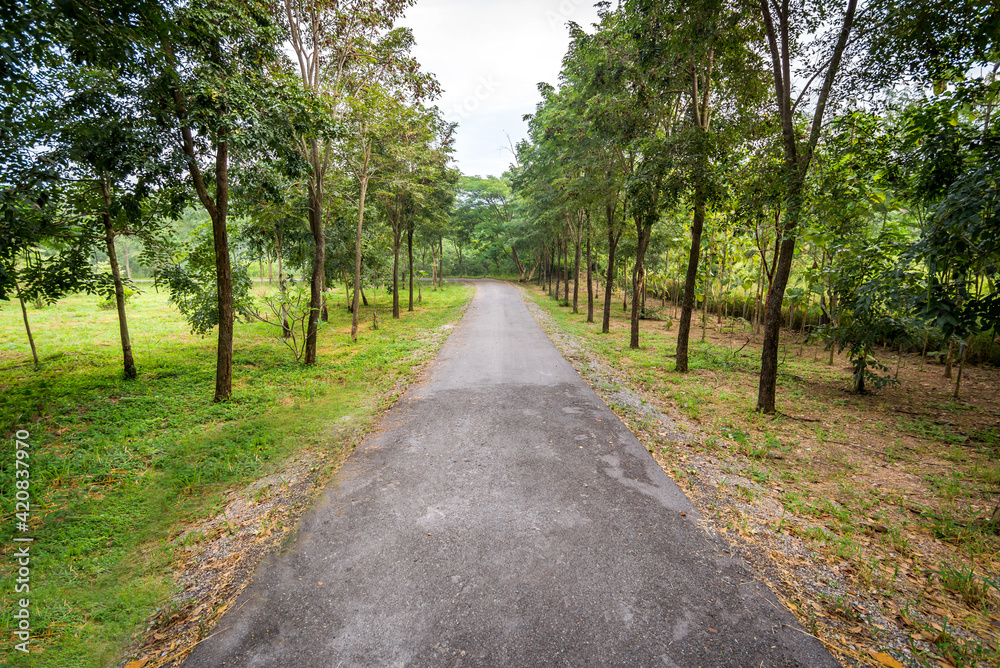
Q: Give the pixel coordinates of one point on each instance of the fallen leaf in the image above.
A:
(711, 630)
(884, 659)
(139, 663)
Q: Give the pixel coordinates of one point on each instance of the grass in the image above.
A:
(118, 468)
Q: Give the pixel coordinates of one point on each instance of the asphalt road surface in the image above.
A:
(501, 515)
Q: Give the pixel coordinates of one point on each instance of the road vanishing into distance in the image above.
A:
(502, 515)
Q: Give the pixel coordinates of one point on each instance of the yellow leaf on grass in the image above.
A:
(884, 659)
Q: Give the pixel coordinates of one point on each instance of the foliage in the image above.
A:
(871, 297)
(107, 301)
(189, 275)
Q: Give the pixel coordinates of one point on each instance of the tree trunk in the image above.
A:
(109, 240)
(556, 269)
(128, 264)
(316, 285)
(961, 365)
(27, 327)
(639, 279)
(409, 259)
(434, 266)
(625, 287)
(859, 374)
(323, 313)
(684, 328)
(577, 243)
(566, 269)
(947, 362)
(796, 168)
(357, 256)
(590, 281)
(224, 281)
(286, 331)
(772, 311)
(397, 239)
(440, 261)
(217, 210)
(609, 282)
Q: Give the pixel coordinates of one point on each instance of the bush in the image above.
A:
(109, 301)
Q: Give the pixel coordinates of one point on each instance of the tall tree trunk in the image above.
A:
(639, 279)
(128, 264)
(397, 238)
(590, 281)
(217, 210)
(224, 280)
(772, 311)
(440, 261)
(434, 267)
(797, 160)
(109, 240)
(319, 257)
(286, 330)
(357, 256)
(609, 282)
(690, 279)
(409, 259)
(577, 243)
(556, 269)
(625, 286)
(566, 268)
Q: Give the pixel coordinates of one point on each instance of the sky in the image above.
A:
(489, 56)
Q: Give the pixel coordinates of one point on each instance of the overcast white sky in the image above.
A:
(489, 56)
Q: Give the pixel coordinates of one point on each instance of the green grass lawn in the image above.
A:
(117, 467)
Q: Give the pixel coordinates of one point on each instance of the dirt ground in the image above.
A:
(867, 515)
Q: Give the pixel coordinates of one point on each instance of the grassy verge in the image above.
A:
(120, 469)
(868, 515)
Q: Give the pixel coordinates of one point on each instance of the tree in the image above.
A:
(342, 47)
(870, 297)
(408, 184)
(781, 21)
(112, 156)
(213, 85)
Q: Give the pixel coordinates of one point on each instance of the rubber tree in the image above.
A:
(341, 47)
(781, 20)
(112, 156)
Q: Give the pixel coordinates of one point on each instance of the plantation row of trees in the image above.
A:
(836, 159)
(292, 124)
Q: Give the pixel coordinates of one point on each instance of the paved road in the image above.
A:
(501, 515)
